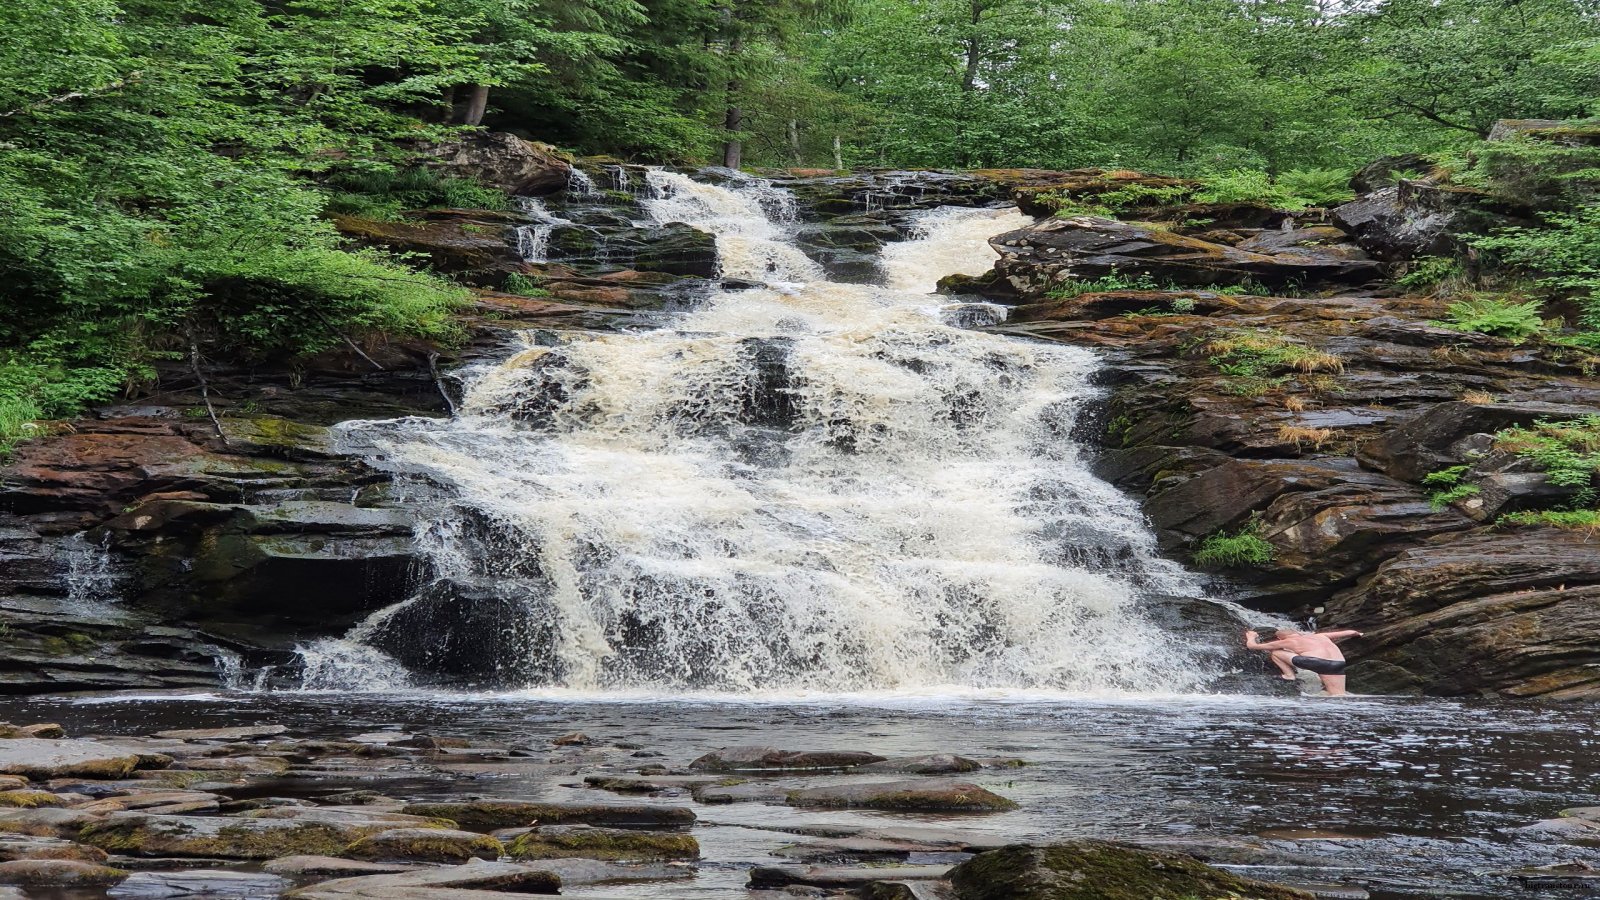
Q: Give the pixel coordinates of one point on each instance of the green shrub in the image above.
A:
(518, 283)
(1430, 271)
(1232, 551)
(1567, 451)
(1074, 287)
(1316, 187)
(1564, 256)
(1583, 519)
(1495, 316)
(1261, 352)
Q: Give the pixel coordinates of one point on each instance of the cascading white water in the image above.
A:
(533, 240)
(805, 485)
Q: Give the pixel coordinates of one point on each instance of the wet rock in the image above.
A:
(238, 733)
(426, 845)
(464, 882)
(1514, 612)
(931, 795)
(65, 873)
(1095, 870)
(583, 841)
(478, 251)
(502, 160)
(1411, 219)
(40, 758)
(207, 883)
(147, 800)
(488, 815)
(575, 739)
(305, 868)
(39, 730)
(865, 849)
(650, 784)
(742, 759)
(840, 877)
(29, 799)
(359, 816)
(1088, 247)
(934, 764)
(1445, 434)
(138, 834)
(45, 822)
(243, 765)
(35, 847)
(740, 792)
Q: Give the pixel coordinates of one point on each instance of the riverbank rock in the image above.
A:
(426, 845)
(1095, 870)
(59, 873)
(489, 815)
(502, 160)
(744, 759)
(1088, 247)
(473, 881)
(41, 758)
(139, 834)
(212, 884)
(903, 796)
(566, 841)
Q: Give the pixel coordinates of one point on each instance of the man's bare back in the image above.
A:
(1314, 652)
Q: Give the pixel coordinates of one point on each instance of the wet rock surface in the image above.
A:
(1312, 422)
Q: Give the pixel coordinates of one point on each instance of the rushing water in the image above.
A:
(801, 486)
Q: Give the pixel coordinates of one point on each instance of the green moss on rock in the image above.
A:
(1097, 870)
(427, 845)
(29, 799)
(603, 843)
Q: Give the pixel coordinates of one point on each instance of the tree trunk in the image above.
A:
(732, 147)
(477, 102)
(448, 104)
(838, 153)
(969, 82)
(794, 141)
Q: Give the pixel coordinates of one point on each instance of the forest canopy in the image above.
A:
(166, 166)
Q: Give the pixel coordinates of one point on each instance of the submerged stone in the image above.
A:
(487, 815)
(904, 796)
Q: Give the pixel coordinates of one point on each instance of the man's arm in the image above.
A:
(1251, 642)
(1341, 635)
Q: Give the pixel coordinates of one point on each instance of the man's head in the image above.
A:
(1276, 632)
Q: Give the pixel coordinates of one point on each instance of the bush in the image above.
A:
(1580, 519)
(1567, 451)
(1260, 353)
(1291, 190)
(1495, 316)
(1231, 551)
(1565, 256)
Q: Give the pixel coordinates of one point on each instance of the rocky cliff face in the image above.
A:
(1310, 423)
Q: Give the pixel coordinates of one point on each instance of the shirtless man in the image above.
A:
(1314, 652)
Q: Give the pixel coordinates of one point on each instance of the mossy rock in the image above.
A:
(29, 799)
(1097, 870)
(426, 845)
(136, 834)
(614, 844)
(59, 873)
(929, 795)
(489, 815)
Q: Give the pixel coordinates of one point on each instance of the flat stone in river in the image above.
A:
(932, 795)
(41, 758)
(488, 815)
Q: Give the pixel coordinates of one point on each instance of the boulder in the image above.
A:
(742, 759)
(502, 160)
(59, 873)
(1412, 219)
(933, 764)
(41, 758)
(64, 823)
(237, 733)
(306, 868)
(426, 845)
(1096, 870)
(932, 795)
(583, 841)
(488, 815)
(1035, 258)
(1445, 434)
(29, 799)
(479, 252)
(1509, 611)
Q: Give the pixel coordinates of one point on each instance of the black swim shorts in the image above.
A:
(1319, 665)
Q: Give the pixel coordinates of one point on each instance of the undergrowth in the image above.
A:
(1245, 547)
(1496, 316)
(1262, 353)
(1568, 452)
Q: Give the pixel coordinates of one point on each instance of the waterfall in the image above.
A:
(802, 485)
(533, 241)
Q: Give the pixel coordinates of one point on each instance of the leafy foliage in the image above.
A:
(1245, 547)
(1496, 316)
(1567, 451)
